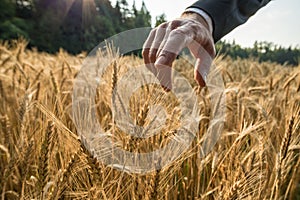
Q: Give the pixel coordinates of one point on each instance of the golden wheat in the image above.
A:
(256, 157)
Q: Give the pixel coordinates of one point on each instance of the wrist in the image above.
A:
(200, 16)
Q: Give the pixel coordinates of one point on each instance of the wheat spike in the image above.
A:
(286, 140)
(62, 178)
(114, 78)
(54, 83)
(43, 165)
(93, 163)
(23, 108)
(37, 77)
(37, 94)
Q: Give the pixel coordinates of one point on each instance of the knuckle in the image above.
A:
(174, 24)
(179, 31)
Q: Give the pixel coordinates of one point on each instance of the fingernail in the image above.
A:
(166, 89)
(204, 77)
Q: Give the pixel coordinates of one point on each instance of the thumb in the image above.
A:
(202, 68)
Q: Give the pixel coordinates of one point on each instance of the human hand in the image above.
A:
(166, 41)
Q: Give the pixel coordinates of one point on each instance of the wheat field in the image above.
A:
(41, 157)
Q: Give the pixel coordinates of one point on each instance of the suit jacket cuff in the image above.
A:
(228, 14)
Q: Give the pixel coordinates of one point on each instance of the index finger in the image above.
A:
(147, 46)
(146, 50)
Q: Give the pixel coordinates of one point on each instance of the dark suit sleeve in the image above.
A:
(228, 14)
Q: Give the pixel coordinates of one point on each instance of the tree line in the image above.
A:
(261, 51)
(74, 25)
(79, 25)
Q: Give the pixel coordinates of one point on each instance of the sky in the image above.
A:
(278, 22)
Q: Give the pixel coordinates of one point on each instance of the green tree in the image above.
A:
(262, 51)
(160, 19)
(11, 26)
(143, 17)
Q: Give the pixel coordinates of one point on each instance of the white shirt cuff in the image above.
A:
(204, 15)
